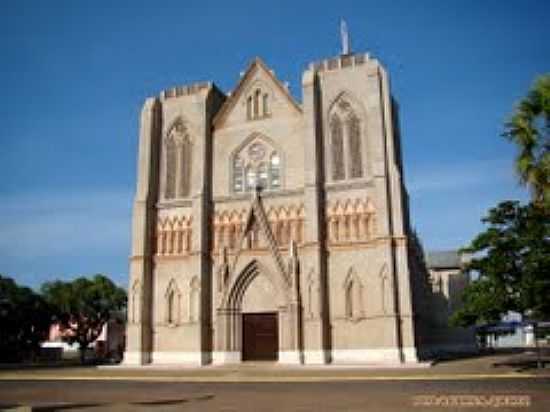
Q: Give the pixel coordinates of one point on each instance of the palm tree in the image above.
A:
(529, 129)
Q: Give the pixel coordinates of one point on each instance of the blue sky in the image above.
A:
(73, 76)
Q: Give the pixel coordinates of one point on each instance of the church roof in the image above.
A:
(256, 64)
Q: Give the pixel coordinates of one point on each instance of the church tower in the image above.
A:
(170, 266)
(354, 187)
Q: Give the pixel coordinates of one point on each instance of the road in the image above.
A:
(387, 395)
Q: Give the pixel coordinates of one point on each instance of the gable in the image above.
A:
(258, 95)
(257, 221)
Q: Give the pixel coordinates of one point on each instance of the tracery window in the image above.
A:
(345, 149)
(257, 164)
(262, 179)
(250, 178)
(238, 174)
(177, 161)
(275, 170)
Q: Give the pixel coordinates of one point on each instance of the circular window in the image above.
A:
(256, 151)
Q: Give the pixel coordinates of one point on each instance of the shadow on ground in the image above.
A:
(49, 408)
(77, 406)
(527, 360)
(484, 353)
(64, 364)
(519, 359)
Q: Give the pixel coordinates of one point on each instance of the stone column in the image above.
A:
(398, 226)
(291, 352)
(139, 334)
(226, 350)
(315, 330)
(206, 103)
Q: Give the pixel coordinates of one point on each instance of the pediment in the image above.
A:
(257, 221)
(246, 103)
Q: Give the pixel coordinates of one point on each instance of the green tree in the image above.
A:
(83, 306)
(512, 261)
(25, 320)
(529, 129)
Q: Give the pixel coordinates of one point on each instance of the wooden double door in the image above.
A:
(260, 336)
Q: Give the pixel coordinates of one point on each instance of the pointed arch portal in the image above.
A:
(257, 319)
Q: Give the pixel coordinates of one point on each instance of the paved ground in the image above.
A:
(508, 365)
(497, 382)
(490, 394)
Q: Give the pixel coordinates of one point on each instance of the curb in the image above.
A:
(267, 379)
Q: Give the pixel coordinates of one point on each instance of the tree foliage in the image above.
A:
(83, 306)
(24, 320)
(529, 129)
(512, 261)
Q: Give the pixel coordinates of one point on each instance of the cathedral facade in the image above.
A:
(267, 228)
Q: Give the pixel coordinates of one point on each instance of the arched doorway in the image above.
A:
(260, 321)
(256, 319)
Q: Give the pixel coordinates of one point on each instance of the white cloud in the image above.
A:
(448, 200)
(56, 224)
(452, 176)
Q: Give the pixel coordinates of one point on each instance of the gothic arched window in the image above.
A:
(184, 187)
(238, 174)
(173, 298)
(256, 164)
(257, 103)
(349, 299)
(249, 107)
(353, 296)
(170, 165)
(265, 104)
(354, 137)
(178, 149)
(345, 150)
(171, 307)
(257, 94)
(337, 148)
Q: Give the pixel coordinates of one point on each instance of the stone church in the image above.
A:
(265, 228)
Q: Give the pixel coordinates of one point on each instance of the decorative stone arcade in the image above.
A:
(259, 285)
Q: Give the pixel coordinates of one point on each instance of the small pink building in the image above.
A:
(109, 344)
